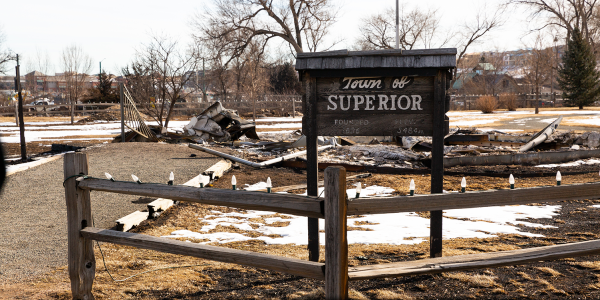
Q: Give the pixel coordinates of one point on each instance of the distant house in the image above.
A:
(484, 68)
(491, 84)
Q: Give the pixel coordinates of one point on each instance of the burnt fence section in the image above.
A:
(335, 207)
(268, 105)
(469, 102)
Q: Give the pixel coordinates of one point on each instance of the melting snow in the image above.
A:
(395, 228)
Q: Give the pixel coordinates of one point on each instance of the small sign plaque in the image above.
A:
(358, 106)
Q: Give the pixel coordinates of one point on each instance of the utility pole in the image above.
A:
(203, 82)
(554, 64)
(21, 122)
(397, 24)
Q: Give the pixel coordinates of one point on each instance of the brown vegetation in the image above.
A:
(509, 101)
(487, 104)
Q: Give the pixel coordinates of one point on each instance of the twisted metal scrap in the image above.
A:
(134, 120)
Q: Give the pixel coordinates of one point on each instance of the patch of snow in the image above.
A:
(282, 125)
(571, 164)
(286, 119)
(395, 228)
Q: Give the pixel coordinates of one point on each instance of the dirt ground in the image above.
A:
(145, 274)
(181, 277)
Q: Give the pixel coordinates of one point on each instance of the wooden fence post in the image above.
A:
(336, 241)
(82, 263)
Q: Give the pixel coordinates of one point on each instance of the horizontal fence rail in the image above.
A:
(474, 261)
(433, 202)
(247, 258)
(282, 203)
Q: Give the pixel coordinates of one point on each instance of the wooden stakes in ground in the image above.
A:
(336, 240)
(82, 262)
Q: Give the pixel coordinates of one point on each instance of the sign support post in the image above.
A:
(309, 128)
(437, 162)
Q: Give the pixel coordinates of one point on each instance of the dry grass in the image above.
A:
(594, 265)
(509, 102)
(549, 288)
(577, 121)
(314, 294)
(211, 278)
(41, 119)
(476, 280)
(487, 104)
(549, 271)
(389, 295)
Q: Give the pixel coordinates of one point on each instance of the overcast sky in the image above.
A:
(110, 31)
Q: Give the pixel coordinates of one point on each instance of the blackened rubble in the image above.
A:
(219, 124)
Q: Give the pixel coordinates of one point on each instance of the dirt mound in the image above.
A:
(102, 116)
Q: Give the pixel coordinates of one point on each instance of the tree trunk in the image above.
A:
(72, 112)
(537, 99)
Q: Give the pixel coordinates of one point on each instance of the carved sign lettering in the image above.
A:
(397, 106)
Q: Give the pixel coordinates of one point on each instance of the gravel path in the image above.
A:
(33, 235)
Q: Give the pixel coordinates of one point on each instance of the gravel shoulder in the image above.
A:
(33, 239)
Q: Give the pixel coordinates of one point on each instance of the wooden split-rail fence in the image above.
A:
(334, 208)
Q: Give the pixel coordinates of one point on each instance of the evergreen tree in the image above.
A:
(284, 80)
(578, 76)
(103, 92)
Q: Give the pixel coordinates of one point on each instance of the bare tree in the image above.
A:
(472, 31)
(422, 29)
(536, 67)
(302, 24)
(40, 62)
(488, 69)
(76, 65)
(417, 28)
(566, 14)
(159, 75)
(5, 54)
(257, 79)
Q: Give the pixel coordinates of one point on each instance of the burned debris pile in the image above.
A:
(463, 147)
(219, 124)
(224, 133)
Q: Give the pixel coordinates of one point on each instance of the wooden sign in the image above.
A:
(359, 106)
(380, 93)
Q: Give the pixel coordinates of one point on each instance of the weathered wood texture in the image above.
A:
(373, 72)
(536, 158)
(369, 61)
(158, 205)
(290, 204)
(258, 260)
(82, 262)
(336, 240)
(217, 170)
(395, 106)
(437, 162)
(343, 59)
(309, 128)
(161, 204)
(474, 261)
(390, 52)
(131, 220)
(434, 202)
(369, 125)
